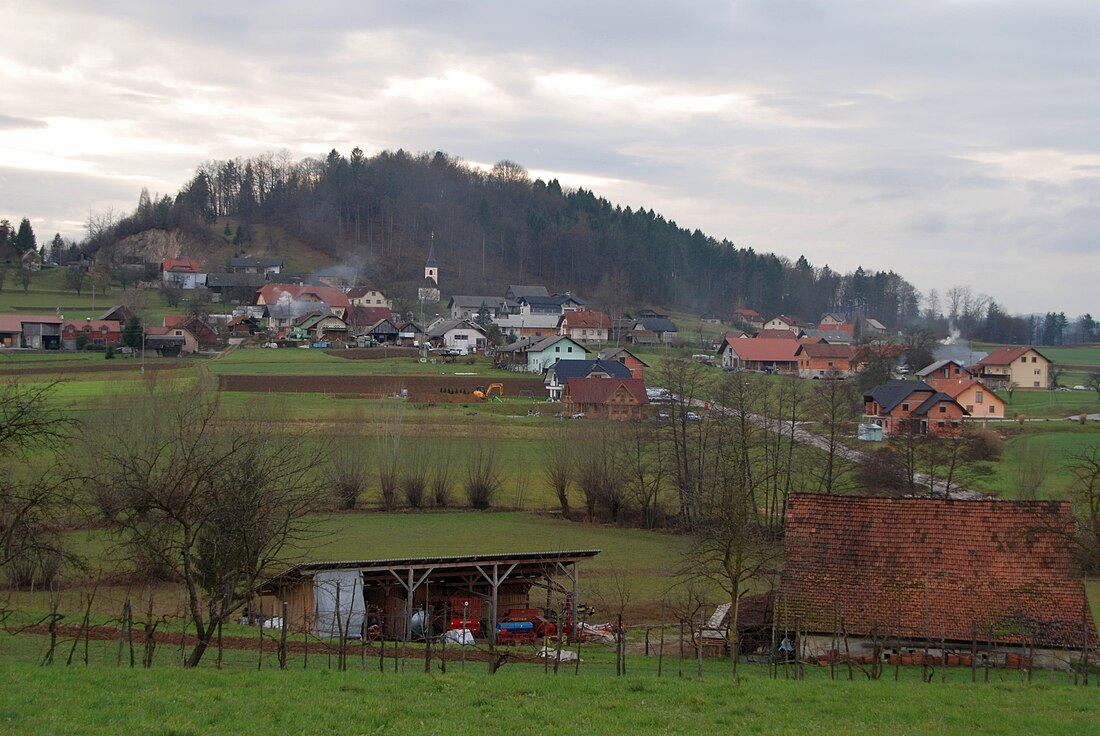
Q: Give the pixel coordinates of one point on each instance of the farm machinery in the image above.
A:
(495, 392)
(524, 626)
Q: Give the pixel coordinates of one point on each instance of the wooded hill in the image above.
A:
(378, 215)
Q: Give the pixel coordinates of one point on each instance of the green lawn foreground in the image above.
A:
(100, 700)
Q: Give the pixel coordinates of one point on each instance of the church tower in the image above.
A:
(429, 290)
(431, 271)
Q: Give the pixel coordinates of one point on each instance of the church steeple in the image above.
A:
(431, 271)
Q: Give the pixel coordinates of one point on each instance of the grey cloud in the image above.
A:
(10, 122)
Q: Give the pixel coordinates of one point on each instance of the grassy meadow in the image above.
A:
(103, 700)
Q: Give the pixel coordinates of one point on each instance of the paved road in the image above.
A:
(806, 437)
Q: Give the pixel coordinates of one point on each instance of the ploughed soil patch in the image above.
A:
(122, 365)
(419, 388)
(270, 643)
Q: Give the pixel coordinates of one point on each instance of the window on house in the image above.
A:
(1023, 359)
(1035, 385)
(979, 397)
(1038, 372)
(557, 348)
(992, 409)
(970, 408)
(1034, 359)
(941, 424)
(943, 408)
(905, 407)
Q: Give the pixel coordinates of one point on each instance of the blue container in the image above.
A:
(515, 626)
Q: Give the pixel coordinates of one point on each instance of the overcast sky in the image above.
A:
(953, 142)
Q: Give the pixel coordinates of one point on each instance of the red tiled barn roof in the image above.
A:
(917, 568)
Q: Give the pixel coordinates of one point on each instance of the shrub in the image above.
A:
(414, 486)
(482, 476)
(984, 444)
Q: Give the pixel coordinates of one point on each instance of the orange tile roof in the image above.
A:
(180, 265)
(917, 567)
(328, 294)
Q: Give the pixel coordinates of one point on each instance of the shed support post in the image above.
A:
(572, 572)
(494, 581)
(410, 585)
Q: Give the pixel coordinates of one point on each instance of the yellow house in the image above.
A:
(977, 398)
(1023, 367)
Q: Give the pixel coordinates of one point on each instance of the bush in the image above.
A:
(883, 472)
(482, 477)
(414, 487)
(984, 444)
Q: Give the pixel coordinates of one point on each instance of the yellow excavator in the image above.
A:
(495, 392)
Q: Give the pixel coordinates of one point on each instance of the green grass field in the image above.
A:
(101, 700)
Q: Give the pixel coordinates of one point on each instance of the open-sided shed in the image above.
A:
(327, 598)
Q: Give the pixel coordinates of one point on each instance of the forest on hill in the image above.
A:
(379, 214)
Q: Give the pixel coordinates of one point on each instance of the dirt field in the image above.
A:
(420, 388)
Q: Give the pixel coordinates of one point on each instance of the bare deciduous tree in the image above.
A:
(218, 506)
(388, 427)
(558, 465)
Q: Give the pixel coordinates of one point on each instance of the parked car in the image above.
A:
(1080, 388)
(693, 417)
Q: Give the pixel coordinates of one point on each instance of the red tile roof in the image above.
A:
(765, 349)
(14, 322)
(827, 350)
(916, 568)
(776, 335)
(1007, 356)
(599, 390)
(586, 318)
(92, 325)
(330, 295)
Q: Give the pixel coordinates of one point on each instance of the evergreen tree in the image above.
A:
(132, 333)
(57, 248)
(24, 238)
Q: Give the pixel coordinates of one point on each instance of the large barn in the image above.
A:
(909, 574)
(330, 598)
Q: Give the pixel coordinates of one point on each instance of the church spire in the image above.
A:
(431, 271)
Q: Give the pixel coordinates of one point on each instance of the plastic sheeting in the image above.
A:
(347, 585)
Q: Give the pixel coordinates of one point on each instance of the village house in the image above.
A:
(901, 407)
(382, 331)
(1023, 367)
(768, 356)
(944, 370)
(515, 326)
(366, 296)
(96, 332)
(750, 318)
(783, 322)
(537, 355)
(617, 399)
(563, 370)
(822, 360)
(320, 327)
(182, 272)
(169, 341)
(872, 329)
(411, 335)
(205, 335)
(770, 334)
(233, 286)
(586, 325)
(978, 399)
(468, 307)
(910, 576)
(554, 304)
(832, 321)
(833, 337)
(463, 336)
(361, 319)
(656, 323)
(634, 364)
(303, 298)
(263, 266)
